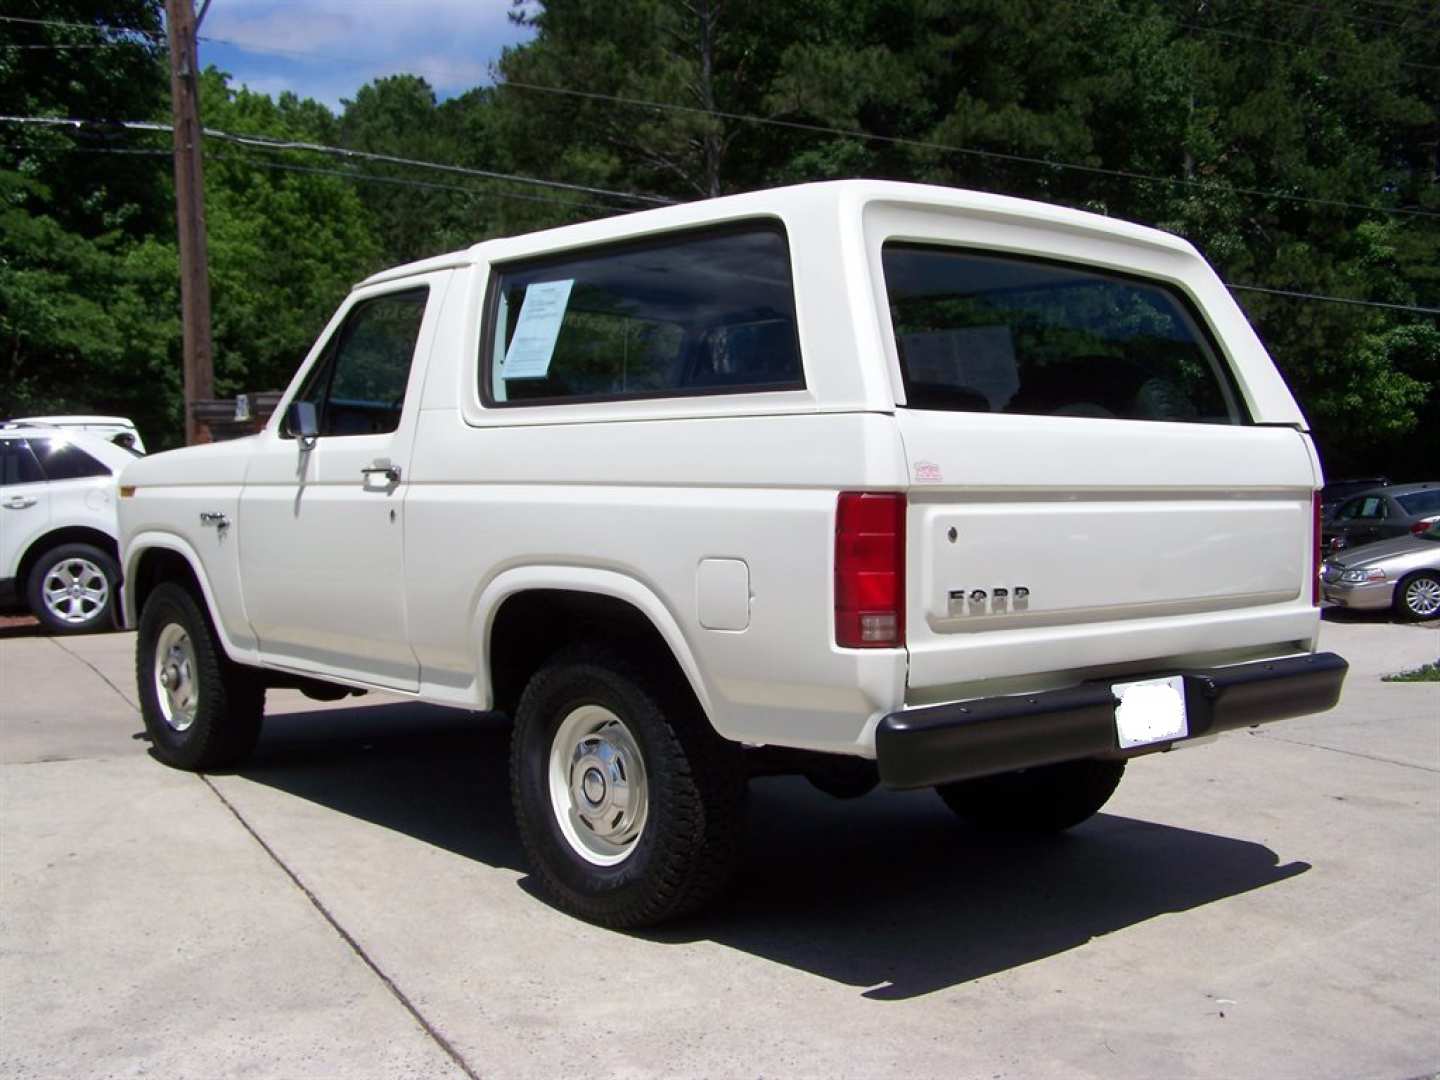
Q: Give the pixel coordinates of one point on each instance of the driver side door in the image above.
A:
(322, 527)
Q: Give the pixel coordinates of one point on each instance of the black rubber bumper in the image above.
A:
(941, 743)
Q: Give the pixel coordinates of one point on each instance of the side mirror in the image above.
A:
(300, 421)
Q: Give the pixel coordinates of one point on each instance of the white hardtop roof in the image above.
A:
(846, 197)
(41, 421)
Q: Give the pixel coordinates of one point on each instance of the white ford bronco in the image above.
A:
(862, 481)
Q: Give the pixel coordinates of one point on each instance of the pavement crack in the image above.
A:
(345, 936)
(103, 677)
(1347, 753)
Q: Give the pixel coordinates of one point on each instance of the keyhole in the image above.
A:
(952, 534)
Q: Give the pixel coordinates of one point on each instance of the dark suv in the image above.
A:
(1381, 513)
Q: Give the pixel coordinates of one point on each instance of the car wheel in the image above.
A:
(629, 805)
(72, 589)
(1050, 798)
(201, 711)
(1418, 596)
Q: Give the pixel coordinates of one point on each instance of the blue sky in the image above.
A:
(327, 49)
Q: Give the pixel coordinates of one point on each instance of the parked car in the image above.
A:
(1382, 513)
(116, 429)
(58, 554)
(1334, 494)
(1403, 573)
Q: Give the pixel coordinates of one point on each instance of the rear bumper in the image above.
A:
(942, 743)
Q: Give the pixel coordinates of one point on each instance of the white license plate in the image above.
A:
(1150, 711)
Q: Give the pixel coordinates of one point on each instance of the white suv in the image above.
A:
(58, 526)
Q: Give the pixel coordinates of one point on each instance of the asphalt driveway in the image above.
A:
(354, 904)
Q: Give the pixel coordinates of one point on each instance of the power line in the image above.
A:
(371, 178)
(925, 144)
(97, 28)
(1336, 299)
(362, 177)
(267, 143)
(897, 140)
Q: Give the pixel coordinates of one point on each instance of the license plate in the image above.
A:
(1150, 711)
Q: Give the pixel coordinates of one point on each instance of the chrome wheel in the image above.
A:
(598, 788)
(75, 591)
(177, 687)
(1422, 597)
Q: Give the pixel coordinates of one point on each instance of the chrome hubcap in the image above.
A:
(176, 685)
(598, 787)
(1423, 597)
(75, 591)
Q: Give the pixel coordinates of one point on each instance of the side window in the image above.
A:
(60, 460)
(697, 313)
(18, 464)
(358, 384)
(988, 333)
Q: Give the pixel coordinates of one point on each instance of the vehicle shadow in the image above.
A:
(890, 894)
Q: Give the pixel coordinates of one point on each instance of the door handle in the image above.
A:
(390, 472)
(19, 502)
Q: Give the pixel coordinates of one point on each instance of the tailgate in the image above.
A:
(1043, 545)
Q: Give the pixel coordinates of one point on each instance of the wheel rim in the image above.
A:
(75, 591)
(1422, 597)
(599, 790)
(177, 686)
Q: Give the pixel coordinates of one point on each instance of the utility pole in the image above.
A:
(199, 372)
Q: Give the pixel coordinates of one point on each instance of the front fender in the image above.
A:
(241, 651)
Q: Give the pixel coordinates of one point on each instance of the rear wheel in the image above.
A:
(1049, 798)
(202, 711)
(72, 589)
(1418, 596)
(629, 806)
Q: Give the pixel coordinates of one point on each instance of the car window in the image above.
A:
(1420, 502)
(697, 313)
(358, 384)
(979, 332)
(61, 460)
(1367, 507)
(18, 464)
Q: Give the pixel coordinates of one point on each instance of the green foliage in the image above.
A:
(1229, 107)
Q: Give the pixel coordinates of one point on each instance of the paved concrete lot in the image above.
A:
(354, 904)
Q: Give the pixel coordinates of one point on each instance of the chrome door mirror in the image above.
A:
(300, 421)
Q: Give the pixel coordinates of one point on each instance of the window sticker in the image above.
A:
(541, 313)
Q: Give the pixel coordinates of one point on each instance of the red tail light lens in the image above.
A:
(1423, 524)
(870, 570)
(1315, 547)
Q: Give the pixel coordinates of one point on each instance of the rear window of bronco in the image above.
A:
(980, 332)
(702, 312)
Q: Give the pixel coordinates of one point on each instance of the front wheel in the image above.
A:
(1418, 596)
(72, 589)
(629, 806)
(1047, 799)
(201, 711)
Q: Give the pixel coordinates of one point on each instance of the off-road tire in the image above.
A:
(229, 699)
(102, 616)
(690, 842)
(1412, 594)
(1047, 799)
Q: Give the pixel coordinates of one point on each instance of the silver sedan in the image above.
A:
(1403, 573)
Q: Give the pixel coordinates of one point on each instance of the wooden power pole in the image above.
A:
(199, 370)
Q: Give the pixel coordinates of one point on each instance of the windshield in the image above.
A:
(1420, 502)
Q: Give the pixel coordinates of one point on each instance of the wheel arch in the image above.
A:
(526, 614)
(152, 558)
(69, 534)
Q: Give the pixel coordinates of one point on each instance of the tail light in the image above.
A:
(1315, 547)
(1420, 526)
(870, 570)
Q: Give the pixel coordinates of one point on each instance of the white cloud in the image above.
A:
(326, 49)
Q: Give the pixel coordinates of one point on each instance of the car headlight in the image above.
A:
(1359, 577)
